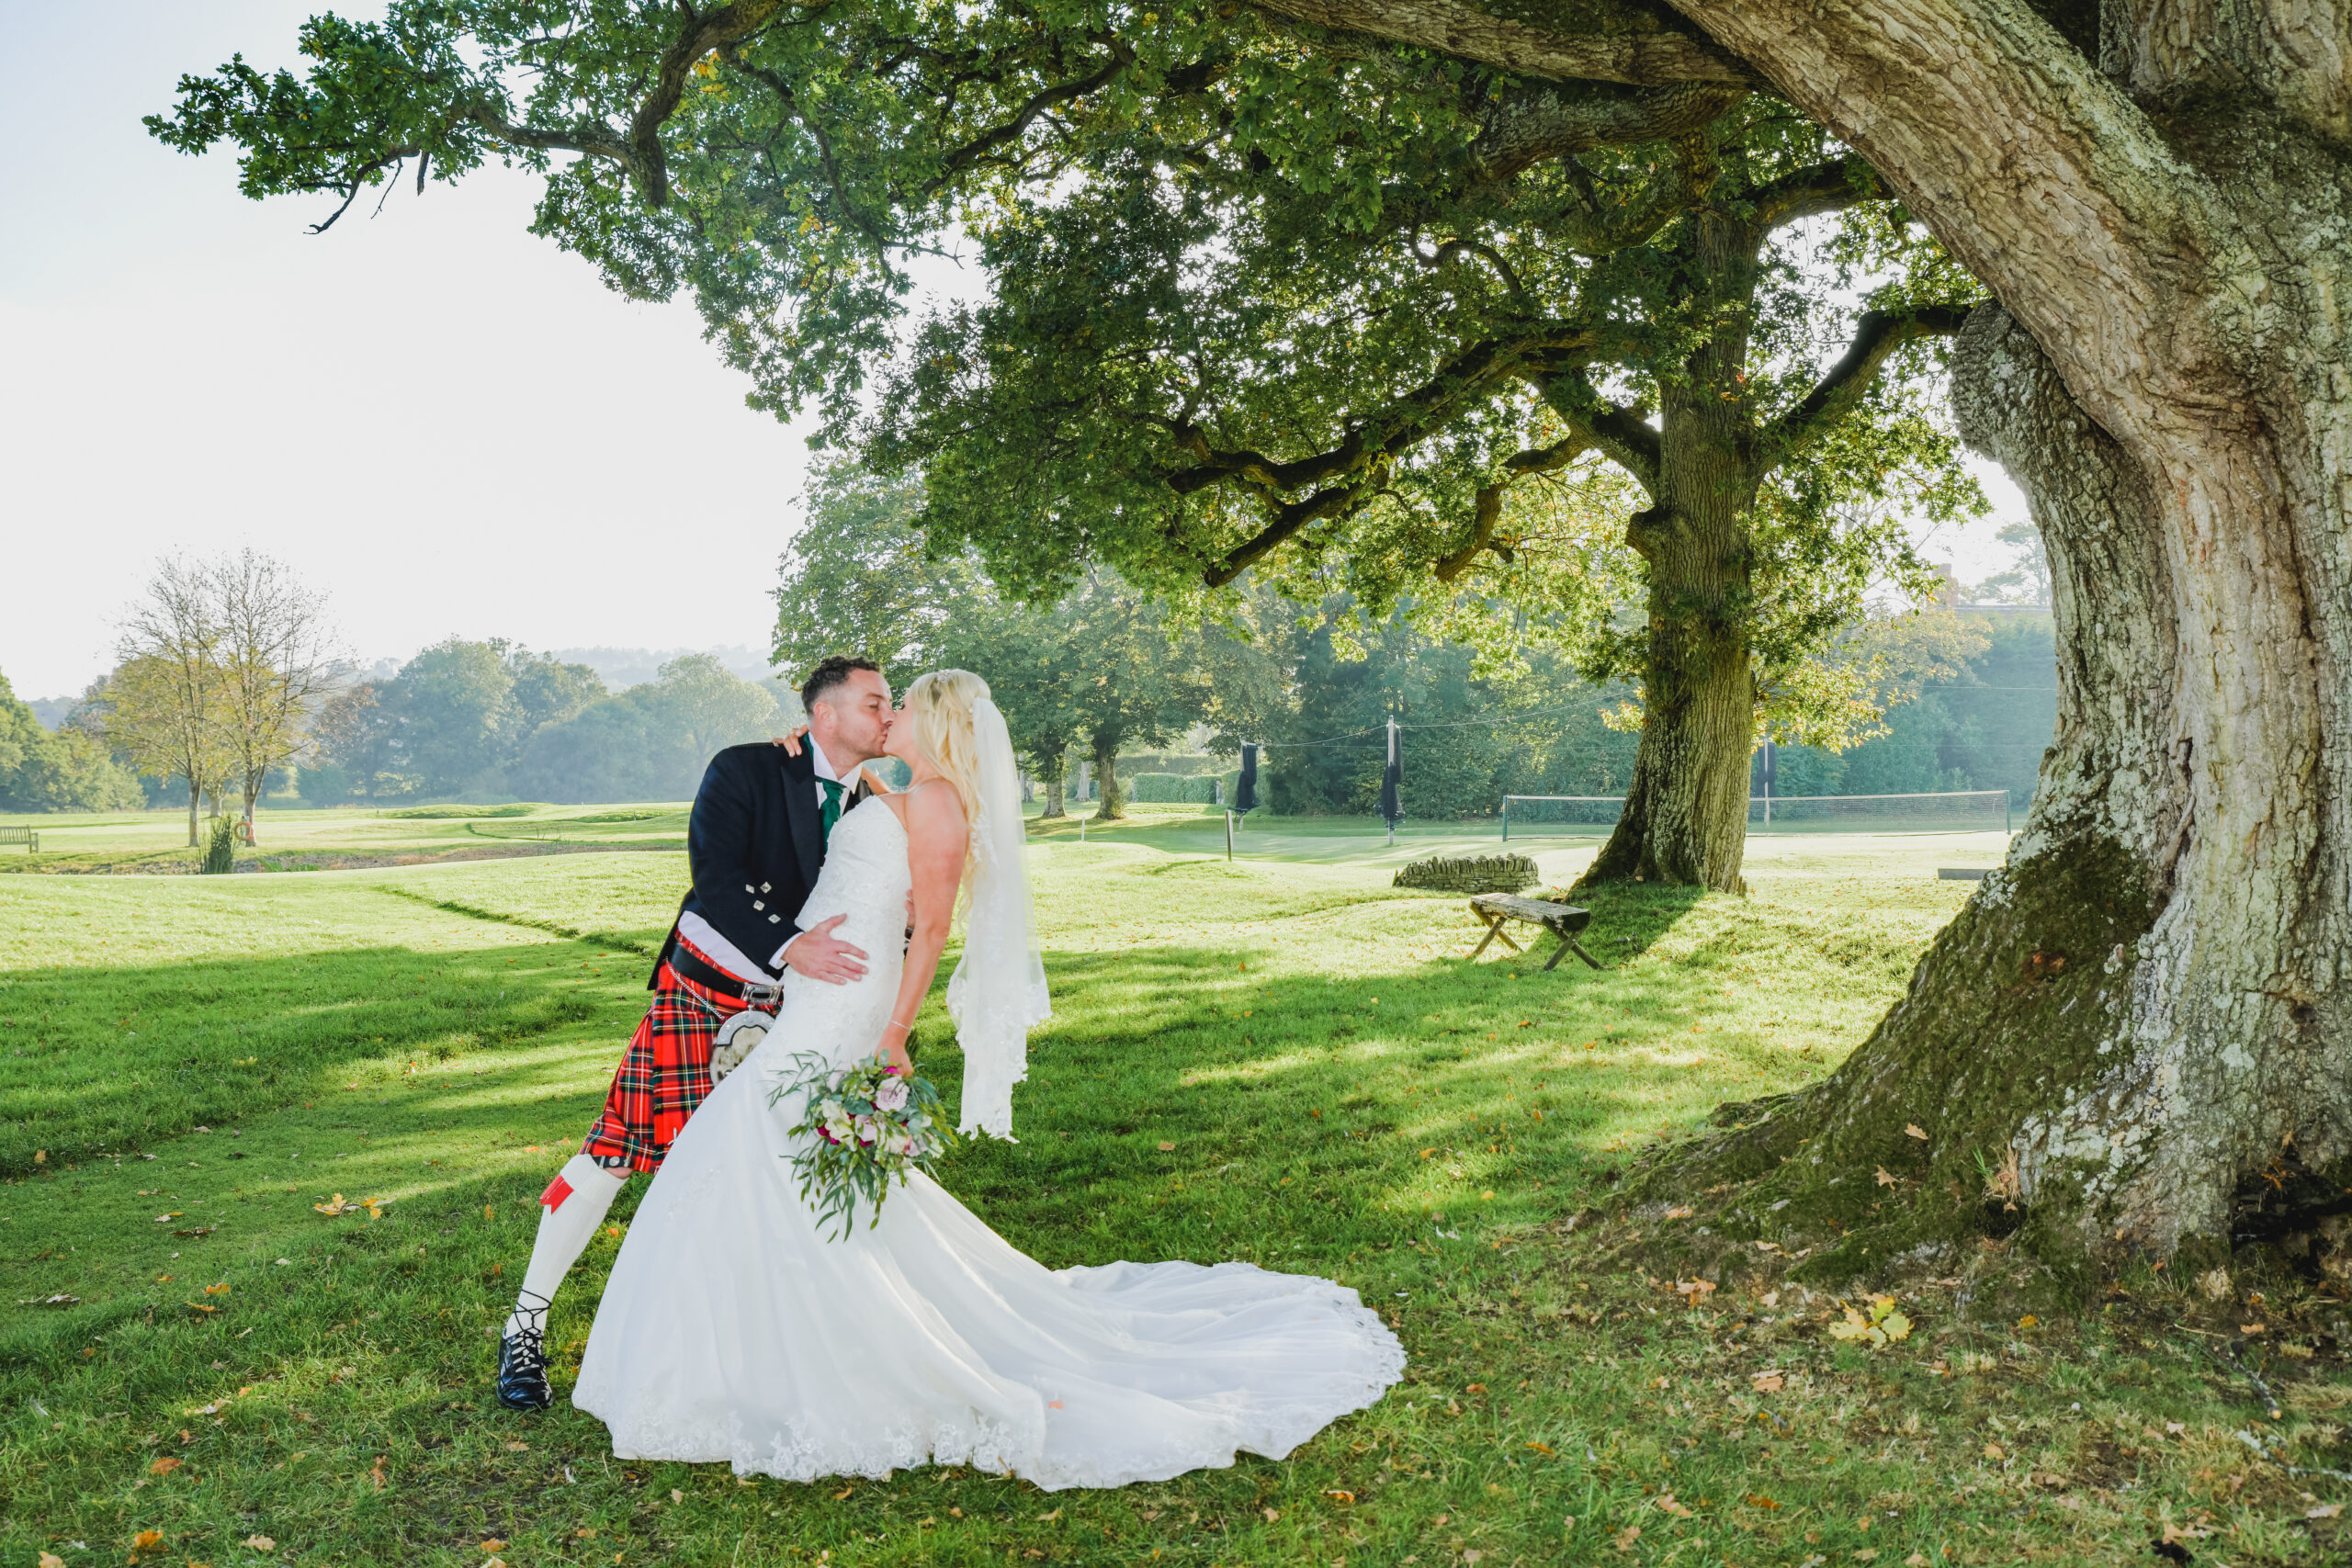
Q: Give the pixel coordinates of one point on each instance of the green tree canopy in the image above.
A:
(65, 769)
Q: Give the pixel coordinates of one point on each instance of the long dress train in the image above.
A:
(733, 1330)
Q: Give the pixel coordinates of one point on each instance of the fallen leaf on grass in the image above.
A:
(494, 1546)
(518, 1447)
(1540, 1447)
(1166, 1148)
(1342, 1498)
(2323, 1511)
(1911, 1130)
(147, 1540)
(843, 1494)
(50, 1559)
(1758, 1500)
(1681, 1213)
(261, 1543)
(1994, 1450)
(375, 1473)
(165, 1465)
(1883, 1179)
(1671, 1507)
(1271, 1514)
(1878, 1328)
(1769, 1383)
(1624, 1540)
(337, 1207)
(220, 1290)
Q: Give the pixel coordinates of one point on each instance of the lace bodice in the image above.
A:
(865, 879)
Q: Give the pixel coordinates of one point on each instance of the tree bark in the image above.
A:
(1685, 818)
(1106, 770)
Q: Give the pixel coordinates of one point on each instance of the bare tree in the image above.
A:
(279, 660)
(168, 699)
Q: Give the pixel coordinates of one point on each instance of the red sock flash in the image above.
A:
(557, 1190)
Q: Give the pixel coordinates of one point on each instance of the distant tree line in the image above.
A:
(490, 719)
(1896, 704)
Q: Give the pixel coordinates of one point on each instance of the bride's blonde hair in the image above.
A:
(940, 704)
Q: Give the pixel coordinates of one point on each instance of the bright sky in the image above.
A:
(448, 425)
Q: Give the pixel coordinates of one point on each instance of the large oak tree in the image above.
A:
(1261, 300)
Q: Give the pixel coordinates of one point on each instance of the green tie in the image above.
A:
(832, 812)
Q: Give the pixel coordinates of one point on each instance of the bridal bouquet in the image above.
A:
(867, 1126)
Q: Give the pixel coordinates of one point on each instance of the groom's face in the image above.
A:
(852, 724)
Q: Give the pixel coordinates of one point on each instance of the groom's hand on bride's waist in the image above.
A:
(815, 953)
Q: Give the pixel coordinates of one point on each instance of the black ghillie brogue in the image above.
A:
(523, 1364)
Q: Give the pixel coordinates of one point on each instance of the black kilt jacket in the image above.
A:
(754, 845)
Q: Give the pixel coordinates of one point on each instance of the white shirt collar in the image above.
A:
(824, 764)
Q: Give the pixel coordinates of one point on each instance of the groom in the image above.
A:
(753, 845)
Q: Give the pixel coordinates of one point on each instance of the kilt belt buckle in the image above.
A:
(767, 998)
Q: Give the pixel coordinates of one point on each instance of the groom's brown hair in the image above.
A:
(829, 676)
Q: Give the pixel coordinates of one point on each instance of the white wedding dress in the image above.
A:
(733, 1330)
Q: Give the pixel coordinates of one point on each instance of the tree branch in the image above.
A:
(1825, 188)
(1878, 335)
(705, 32)
(1623, 436)
(1535, 124)
(1489, 511)
(1350, 469)
(1634, 43)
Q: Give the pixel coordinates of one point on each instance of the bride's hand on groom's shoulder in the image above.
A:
(790, 740)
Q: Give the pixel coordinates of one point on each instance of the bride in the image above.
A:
(733, 1329)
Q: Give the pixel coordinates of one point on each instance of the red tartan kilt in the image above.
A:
(665, 1074)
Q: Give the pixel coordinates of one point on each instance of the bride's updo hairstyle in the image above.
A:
(939, 705)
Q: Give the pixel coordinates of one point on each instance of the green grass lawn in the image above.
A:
(1279, 1058)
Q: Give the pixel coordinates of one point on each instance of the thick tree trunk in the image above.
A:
(1106, 770)
(1686, 807)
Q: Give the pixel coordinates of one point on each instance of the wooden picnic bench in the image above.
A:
(1563, 920)
(25, 836)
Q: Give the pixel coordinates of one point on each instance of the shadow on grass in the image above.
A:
(1334, 1113)
(112, 1059)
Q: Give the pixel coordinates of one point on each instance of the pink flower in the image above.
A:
(891, 1096)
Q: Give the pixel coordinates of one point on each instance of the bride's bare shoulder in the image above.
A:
(934, 813)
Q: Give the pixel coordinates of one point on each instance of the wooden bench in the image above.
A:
(25, 836)
(1563, 920)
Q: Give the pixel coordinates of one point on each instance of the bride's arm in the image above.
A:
(937, 838)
